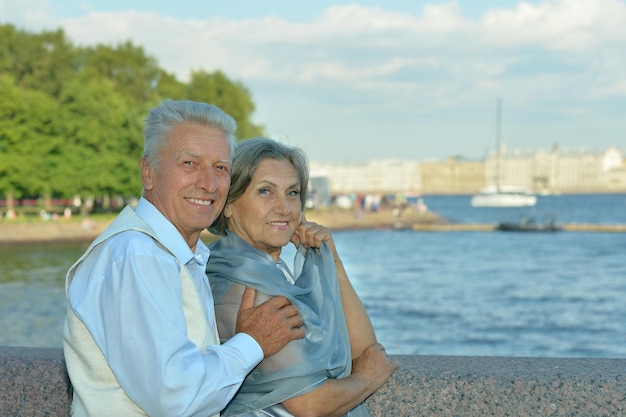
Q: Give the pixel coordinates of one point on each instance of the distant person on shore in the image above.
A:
(339, 362)
(140, 336)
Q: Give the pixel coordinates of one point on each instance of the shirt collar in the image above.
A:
(169, 235)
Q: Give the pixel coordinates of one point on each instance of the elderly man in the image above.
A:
(140, 336)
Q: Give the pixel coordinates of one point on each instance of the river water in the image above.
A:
(450, 293)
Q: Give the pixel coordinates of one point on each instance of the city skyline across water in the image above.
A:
(551, 171)
(489, 152)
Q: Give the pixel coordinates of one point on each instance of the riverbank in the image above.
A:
(86, 231)
(40, 231)
(74, 230)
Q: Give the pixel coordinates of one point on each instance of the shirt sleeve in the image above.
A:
(131, 302)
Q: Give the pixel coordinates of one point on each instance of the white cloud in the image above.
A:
(361, 47)
(565, 25)
(31, 14)
(556, 55)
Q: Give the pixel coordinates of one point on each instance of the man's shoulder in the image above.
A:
(130, 237)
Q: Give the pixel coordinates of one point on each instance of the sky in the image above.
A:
(351, 82)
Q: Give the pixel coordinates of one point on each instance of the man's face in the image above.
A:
(191, 183)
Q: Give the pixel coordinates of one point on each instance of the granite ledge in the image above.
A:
(33, 382)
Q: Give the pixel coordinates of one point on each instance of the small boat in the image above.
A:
(504, 196)
(526, 224)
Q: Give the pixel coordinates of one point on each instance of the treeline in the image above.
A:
(71, 117)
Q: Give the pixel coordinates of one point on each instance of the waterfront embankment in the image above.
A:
(73, 230)
(39, 231)
(34, 382)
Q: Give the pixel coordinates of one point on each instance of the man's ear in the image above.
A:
(146, 174)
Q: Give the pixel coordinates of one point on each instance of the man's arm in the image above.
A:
(133, 310)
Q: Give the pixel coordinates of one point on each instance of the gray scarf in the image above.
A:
(304, 364)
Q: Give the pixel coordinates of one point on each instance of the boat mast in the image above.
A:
(498, 150)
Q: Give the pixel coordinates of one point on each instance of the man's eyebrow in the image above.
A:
(192, 154)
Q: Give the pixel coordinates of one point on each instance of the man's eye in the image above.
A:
(223, 169)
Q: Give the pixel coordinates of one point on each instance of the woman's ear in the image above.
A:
(227, 211)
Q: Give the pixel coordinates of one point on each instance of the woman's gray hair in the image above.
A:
(171, 113)
(247, 157)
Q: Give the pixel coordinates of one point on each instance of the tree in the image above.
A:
(232, 97)
(127, 67)
(42, 61)
(71, 119)
(29, 140)
(103, 140)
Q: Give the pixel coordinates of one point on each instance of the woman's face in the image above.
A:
(268, 213)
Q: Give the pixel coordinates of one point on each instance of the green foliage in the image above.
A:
(131, 71)
(71, 118)
(99, 128)
(41, 62)
(232, 97)
(29, 140)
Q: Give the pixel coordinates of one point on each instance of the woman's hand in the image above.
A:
(312, 235)
(375, 366)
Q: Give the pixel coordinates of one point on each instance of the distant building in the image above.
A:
(387, 176)
(452, 176)
(319, 192)
(555, 170)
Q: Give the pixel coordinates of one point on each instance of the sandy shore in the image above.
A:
(74, 230)
(50, 231)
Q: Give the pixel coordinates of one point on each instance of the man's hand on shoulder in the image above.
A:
(272, 324)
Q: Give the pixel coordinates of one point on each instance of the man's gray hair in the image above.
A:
(171, 113)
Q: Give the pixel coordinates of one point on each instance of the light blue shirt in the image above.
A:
(130, 299)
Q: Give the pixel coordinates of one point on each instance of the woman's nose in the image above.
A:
(282, 206)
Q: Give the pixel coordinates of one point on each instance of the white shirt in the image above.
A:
(130, 300)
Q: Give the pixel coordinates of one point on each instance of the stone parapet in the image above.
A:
(33, 382)
(470, 386)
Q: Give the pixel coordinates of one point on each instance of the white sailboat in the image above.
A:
(504, 196)
(499, 195)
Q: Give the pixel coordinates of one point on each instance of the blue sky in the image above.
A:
(414, 80)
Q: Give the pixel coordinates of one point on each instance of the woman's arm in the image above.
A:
(334, 397)
(371, 367)
(338, 396)
(360, 329)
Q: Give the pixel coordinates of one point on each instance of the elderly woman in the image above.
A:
(339, 363)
